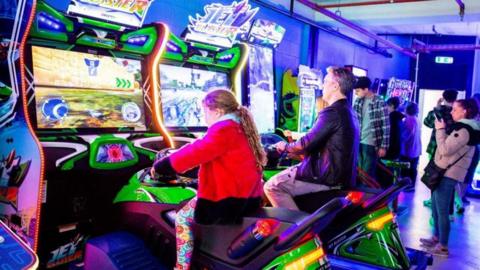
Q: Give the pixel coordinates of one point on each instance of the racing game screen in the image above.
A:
(182, 92)
(81, 90)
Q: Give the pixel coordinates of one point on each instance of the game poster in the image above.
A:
(80, 90)
(310, 82)
(289, 102)
(266, 33)
(20, 162)
(403, 89)
(182, 92)
(261, 88)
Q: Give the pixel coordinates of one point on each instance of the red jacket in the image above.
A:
(228, 175)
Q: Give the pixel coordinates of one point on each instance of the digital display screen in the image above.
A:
(261, 89)
(114, 153)
(266, 33)
(81, 90)
(182, 91)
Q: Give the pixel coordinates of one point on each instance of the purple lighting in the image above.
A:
(172, 47)
(49, 23)
(137, 40)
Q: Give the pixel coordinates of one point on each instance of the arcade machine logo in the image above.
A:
(92, 66)
(127, 12)
(221, 24)
(67, 253)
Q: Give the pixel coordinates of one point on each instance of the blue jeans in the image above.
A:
(367, 160)
(441, 199)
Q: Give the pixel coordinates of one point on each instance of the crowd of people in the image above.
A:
(231, 157)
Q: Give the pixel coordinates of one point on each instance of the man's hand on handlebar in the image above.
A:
(280, 146)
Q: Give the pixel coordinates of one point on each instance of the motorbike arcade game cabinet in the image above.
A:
(90, 85)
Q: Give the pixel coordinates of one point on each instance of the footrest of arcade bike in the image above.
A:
(119, 251)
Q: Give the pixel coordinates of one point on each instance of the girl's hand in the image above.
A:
(439, 124)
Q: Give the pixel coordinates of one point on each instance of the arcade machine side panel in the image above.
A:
(21, 156)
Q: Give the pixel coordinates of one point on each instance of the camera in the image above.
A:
(438, 113)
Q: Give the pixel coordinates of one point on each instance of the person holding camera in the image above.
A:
(441, 111)
(454, 152)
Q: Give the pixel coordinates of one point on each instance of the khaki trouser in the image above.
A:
(281, 188)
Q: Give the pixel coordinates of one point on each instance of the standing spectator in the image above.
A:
(442, 111)
(372, 116)
(455, 150)
(461, 188)
(396, 124)
(411, 143)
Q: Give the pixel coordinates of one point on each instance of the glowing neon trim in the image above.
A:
(306, 260)
(236, 78)
(29, 124)
(157, 116)
(379, 223)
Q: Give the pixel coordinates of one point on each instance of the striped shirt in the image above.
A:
(378, 114)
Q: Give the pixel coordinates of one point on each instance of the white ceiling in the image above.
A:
(404, 18)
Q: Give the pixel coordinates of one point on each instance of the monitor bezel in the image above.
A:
(188, 129)
(32, 110)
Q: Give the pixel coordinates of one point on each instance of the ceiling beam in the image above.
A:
(444, 47)
(462, 9)
(356, 27)
(369, 3)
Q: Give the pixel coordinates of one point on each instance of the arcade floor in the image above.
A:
(464, 243)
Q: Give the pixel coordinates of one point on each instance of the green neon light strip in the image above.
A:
(101, 24)
(205, 46)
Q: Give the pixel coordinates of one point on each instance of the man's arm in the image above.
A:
(429, 121)
(320, 132)
(385, 121)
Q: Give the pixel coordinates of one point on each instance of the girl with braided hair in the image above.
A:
(230, 157)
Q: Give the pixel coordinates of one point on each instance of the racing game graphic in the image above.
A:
(182, 92)
(80, 90)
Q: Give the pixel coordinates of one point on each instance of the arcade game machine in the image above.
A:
(20, 163)
(90, 84)
(206, 59)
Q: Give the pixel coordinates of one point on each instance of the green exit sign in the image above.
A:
(444, 60)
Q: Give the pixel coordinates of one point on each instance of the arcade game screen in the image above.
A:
(81, 90)
(182, 92)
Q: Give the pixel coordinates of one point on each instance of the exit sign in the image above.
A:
(444, 60)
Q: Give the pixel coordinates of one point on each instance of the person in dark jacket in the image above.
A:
(396, 126)
(330, 148)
